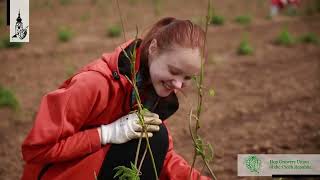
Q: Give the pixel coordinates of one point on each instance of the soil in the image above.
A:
(267, 102)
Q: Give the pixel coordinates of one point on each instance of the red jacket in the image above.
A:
(64, 132)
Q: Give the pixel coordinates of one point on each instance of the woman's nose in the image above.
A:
(177, 84)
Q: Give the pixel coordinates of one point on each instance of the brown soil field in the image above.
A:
(264, 103)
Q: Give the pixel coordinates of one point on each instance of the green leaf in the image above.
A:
(8, 99)
(310, 37)
(133, 167)
(119, 171)
(243, 20)
(65, 34)
(211, 92)
(217, 20)
(125, 173)
(285, 38)
(245, 48)
(5, 43)
(204, 150)
(145, 111)
(114, 31)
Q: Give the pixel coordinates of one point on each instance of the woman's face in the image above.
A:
(171, 70)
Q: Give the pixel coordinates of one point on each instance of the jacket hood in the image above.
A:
(116, 65)
(112, 59)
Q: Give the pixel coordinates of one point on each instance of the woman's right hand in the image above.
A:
(127, 127)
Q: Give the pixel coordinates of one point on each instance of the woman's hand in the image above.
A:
(127, 127)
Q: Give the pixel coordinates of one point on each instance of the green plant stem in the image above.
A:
(143, 156)
(122, 24)
(195, 135)
(210, 170)
(199, 108)
(140, 110)
(152, 159)
(193, 139)
(193, 163)
(137, 155)
(144, 129)
(194, 142)
(195, 155)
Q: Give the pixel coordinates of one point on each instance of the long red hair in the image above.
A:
(170, 32)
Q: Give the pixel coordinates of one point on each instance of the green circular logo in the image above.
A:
(253, 163)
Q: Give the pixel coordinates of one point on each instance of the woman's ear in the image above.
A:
(153, 47)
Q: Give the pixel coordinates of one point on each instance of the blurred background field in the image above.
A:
(265, 72)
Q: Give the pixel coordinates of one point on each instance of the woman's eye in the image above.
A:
(188, 78)
(174, 72)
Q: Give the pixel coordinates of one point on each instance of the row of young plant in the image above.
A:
(284, 38)
(8, 99)
(157, 4)
(64, 34)
(310, 9)
(220, 20)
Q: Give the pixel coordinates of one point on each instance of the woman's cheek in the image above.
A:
(163, 76)
(186, 84)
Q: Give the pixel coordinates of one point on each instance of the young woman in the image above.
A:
(87, 126)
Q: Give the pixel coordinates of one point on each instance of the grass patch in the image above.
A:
(65, 2)
(70, 70)
(214, 18)
(157, 6)
(133, 2)
(48, 4)
(268, 17)
(245, 48)
(217, 20)
(114, 31)
(6, 44)
(312, 8)
(310, 38)
(291, 11)
(65, 34)
(243, 20)
(85, 17)
(8, 99)
(285, 38)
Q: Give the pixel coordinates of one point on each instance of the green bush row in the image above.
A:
(220, 20)
(8, 99)
(284, 38)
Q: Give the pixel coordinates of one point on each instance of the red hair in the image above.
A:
(170, 32)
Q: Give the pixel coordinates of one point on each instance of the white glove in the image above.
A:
(127, 127)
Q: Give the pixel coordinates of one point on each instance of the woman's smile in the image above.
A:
(167, 86)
